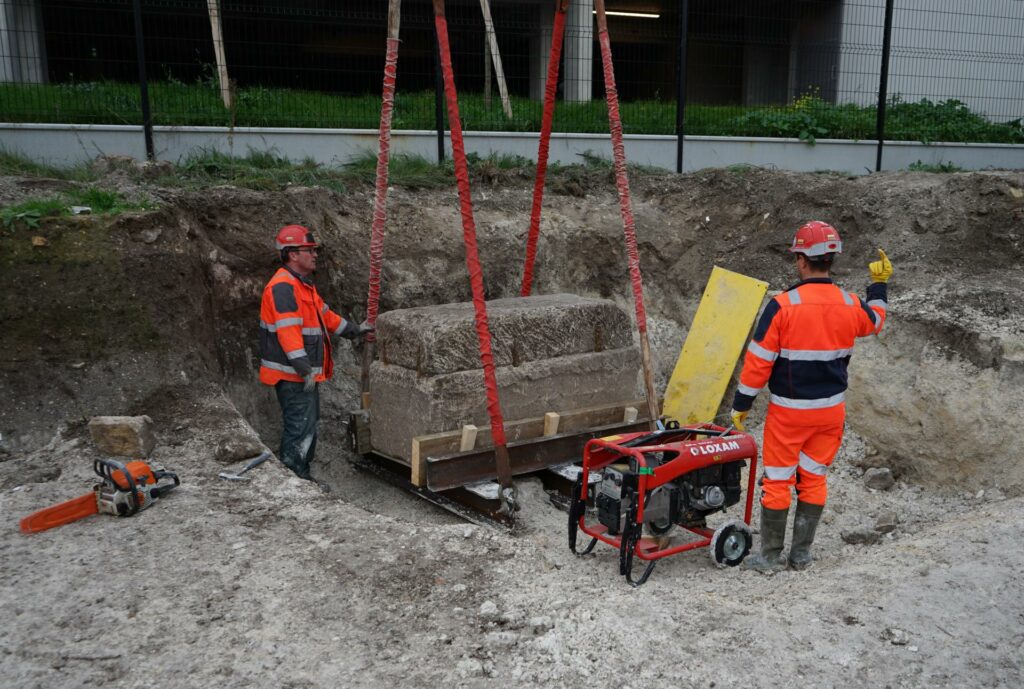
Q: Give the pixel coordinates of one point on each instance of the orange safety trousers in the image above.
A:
(797, 454)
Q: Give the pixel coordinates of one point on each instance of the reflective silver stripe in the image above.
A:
(794, 297)
(296, 353)
(779, 473)
(283, 323)
(311, 331)
(762, 353)
(286, 369)
(747, 390)
(324, 309)
(820, 403)
(815, 354)
(847, 298)
(879, 303)
(811, 466)
(337, 331)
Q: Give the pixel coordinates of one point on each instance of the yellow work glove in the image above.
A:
(881, 270)
(738, 419)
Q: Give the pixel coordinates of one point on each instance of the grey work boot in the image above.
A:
(773, 536)
(804, 524)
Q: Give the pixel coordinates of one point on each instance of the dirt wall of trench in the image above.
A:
(127, 313)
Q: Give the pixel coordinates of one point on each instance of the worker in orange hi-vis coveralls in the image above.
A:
(801, 349)
(296, 327)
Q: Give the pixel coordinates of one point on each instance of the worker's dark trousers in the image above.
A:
(300, 411)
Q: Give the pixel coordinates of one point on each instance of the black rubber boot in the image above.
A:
(773, 537)
(805, 522)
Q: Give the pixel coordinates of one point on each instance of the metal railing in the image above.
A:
(810, 68)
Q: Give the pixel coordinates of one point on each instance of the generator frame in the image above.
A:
(695, 447)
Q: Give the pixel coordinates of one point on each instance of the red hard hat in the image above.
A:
(817, 238)
(294, 237)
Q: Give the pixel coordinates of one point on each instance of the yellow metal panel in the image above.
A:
(713, 346)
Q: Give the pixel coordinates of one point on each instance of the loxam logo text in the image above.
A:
(713, 448)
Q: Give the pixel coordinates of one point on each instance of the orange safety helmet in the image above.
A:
(294, 237)
(817, 238)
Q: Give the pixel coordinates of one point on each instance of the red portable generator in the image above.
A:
(659, 480)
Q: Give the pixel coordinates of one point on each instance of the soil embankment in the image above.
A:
(275, 583)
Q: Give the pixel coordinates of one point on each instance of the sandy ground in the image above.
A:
(276, 582)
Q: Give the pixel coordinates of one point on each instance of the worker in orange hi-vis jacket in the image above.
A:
(295, 344)
(801, 349)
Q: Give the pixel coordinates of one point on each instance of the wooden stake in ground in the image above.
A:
(218, 51)
(499, 72)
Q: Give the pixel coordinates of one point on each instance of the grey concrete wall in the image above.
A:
(62, 145)
(22, 57)
(931, 41)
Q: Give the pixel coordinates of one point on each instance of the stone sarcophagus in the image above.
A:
(551, 353)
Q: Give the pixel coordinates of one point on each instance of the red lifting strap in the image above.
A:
(381, 191)
(469, 238)
(542, 149)
(626, 206)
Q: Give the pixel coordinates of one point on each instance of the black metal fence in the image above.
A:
(802, 68)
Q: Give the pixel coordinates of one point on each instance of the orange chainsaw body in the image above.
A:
(124, 490)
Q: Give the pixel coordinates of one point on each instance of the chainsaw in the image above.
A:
(123, 490)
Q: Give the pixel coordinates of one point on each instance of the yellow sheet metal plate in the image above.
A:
(713, 346)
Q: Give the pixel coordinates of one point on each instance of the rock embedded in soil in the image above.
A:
(123, 436)
(879, 478)
(886, 522)
(860, 536)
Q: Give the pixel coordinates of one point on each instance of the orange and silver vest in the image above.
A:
(295, 330)
(802, 346)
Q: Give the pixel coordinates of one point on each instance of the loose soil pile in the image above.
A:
(277, 582)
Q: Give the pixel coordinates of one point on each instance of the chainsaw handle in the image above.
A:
(160, 491)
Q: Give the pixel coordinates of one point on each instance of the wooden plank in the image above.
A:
(525, 456)
(468, 441)
(435, 444)
(551, 420)
(218, 53)
(499, 72)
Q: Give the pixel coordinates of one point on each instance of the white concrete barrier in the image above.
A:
(64, 145)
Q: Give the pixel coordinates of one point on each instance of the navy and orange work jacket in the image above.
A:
(801, 350)
(295, 330)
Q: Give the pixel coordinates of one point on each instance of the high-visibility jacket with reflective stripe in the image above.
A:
(295, 330)
(801, 349)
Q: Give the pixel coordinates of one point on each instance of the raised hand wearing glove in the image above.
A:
(738, 419)
(364, 328)
(310, 382)
(881, 270)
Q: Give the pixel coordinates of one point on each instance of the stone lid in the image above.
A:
(443, 339)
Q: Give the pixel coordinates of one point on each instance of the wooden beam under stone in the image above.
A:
(525, 456)
(436, 444)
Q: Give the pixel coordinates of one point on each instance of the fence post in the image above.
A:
(883, 82)
(438, 100)
(147, 119)
(684, 12)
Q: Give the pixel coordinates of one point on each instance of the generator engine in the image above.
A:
(686, 501)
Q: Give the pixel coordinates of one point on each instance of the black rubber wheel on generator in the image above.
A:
(730, 544)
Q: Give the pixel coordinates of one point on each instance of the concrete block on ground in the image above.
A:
(123, 436)
(440, 339)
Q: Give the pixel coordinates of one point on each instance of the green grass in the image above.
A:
(808, 118)
(29, 213)
(934, 167)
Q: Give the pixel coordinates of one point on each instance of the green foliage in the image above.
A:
(28, 214)
(919, 166)
(807, 118)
